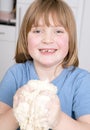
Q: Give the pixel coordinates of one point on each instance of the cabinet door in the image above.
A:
(7, 50)
(7, 33)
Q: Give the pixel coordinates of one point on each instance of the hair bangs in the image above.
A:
(57, 14)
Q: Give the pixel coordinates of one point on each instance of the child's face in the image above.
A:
(48, 45)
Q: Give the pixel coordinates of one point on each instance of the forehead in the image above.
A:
(49, 20)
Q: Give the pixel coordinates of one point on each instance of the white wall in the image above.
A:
(84, 49)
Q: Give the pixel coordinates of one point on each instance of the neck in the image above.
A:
(48, 73)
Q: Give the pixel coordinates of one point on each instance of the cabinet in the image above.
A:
(7, 48)
(7, 39)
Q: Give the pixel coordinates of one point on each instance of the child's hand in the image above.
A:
(53, 112)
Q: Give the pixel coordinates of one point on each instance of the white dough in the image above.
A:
(29, 111)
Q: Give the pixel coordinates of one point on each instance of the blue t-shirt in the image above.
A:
(73, 86)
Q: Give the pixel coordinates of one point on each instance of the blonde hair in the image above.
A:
(60, 12)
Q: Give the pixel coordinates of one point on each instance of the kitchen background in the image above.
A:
(11, 15)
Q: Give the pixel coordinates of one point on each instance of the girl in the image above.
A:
(47, 49)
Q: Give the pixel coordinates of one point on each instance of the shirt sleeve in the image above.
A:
(8, 88)
(81, 101)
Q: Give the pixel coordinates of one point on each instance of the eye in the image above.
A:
(58, 31)
(36, 31)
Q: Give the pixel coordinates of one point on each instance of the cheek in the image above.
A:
(64, 44)
(31, 42)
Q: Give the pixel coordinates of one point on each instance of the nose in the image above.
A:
(48, 37)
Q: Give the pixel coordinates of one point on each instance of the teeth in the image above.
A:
(47, 50)
(44, 50)
(50, 50)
